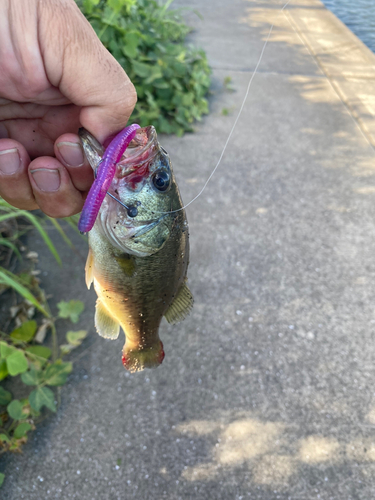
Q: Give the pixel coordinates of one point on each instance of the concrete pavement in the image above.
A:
(267, 389)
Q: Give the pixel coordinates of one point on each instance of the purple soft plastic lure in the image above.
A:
(104, 177)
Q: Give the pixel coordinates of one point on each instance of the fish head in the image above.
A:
(143, 206)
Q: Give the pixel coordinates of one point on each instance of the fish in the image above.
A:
(138, 250)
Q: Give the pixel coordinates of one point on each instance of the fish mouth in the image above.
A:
(140, 152)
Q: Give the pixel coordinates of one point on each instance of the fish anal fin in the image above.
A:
(89, 269)
(106, 326)
(181, 306)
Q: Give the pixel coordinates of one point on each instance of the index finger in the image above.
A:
(81, 67)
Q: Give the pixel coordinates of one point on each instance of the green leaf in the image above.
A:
(3, 369)
(21, 430)
(88, 5)
(9, 279)
(42, 396)
(35, 222)
(130, 47)
(9, 244)
(71, 309)
(12, 215)
(156, 74)
(32, 377)
(15, 410)
(66, 349)
(161, 84)
(75, 338)
(57, 373)
(43, 234)
(115, 5)
(5, 397)
(61, 232)
(39, 350)
(6, 349)
(17, 363)
(141, 69)
(4, 437)
(2, 476)
(25, 332)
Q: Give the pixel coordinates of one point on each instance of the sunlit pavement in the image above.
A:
(267, 389)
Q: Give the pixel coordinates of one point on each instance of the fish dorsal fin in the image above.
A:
(181, 306)
(89, 269)
(106, 326)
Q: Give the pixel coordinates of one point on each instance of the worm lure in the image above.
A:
(104, 175)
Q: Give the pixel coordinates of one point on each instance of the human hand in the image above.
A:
(55, 76)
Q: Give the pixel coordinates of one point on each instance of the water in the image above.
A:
(358, 15)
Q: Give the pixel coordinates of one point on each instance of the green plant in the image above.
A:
(147, 38)
(29, 371)
(38, 366)
(10, 213)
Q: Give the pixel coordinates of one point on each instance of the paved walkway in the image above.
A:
(267, 389)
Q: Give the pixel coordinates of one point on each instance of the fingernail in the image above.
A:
(71, 153)
(9, 161)
(46, 179)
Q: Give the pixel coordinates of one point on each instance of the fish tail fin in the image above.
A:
(138, 358)
(106, 326)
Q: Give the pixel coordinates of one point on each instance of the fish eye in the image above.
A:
(161, 180)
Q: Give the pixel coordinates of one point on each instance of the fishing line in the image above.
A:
(235, 122)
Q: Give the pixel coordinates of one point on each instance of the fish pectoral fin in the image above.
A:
(106, 326)
(181, 306)
(89, 269)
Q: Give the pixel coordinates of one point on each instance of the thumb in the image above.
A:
(84, 71)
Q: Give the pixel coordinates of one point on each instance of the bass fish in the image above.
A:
(138, 250)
